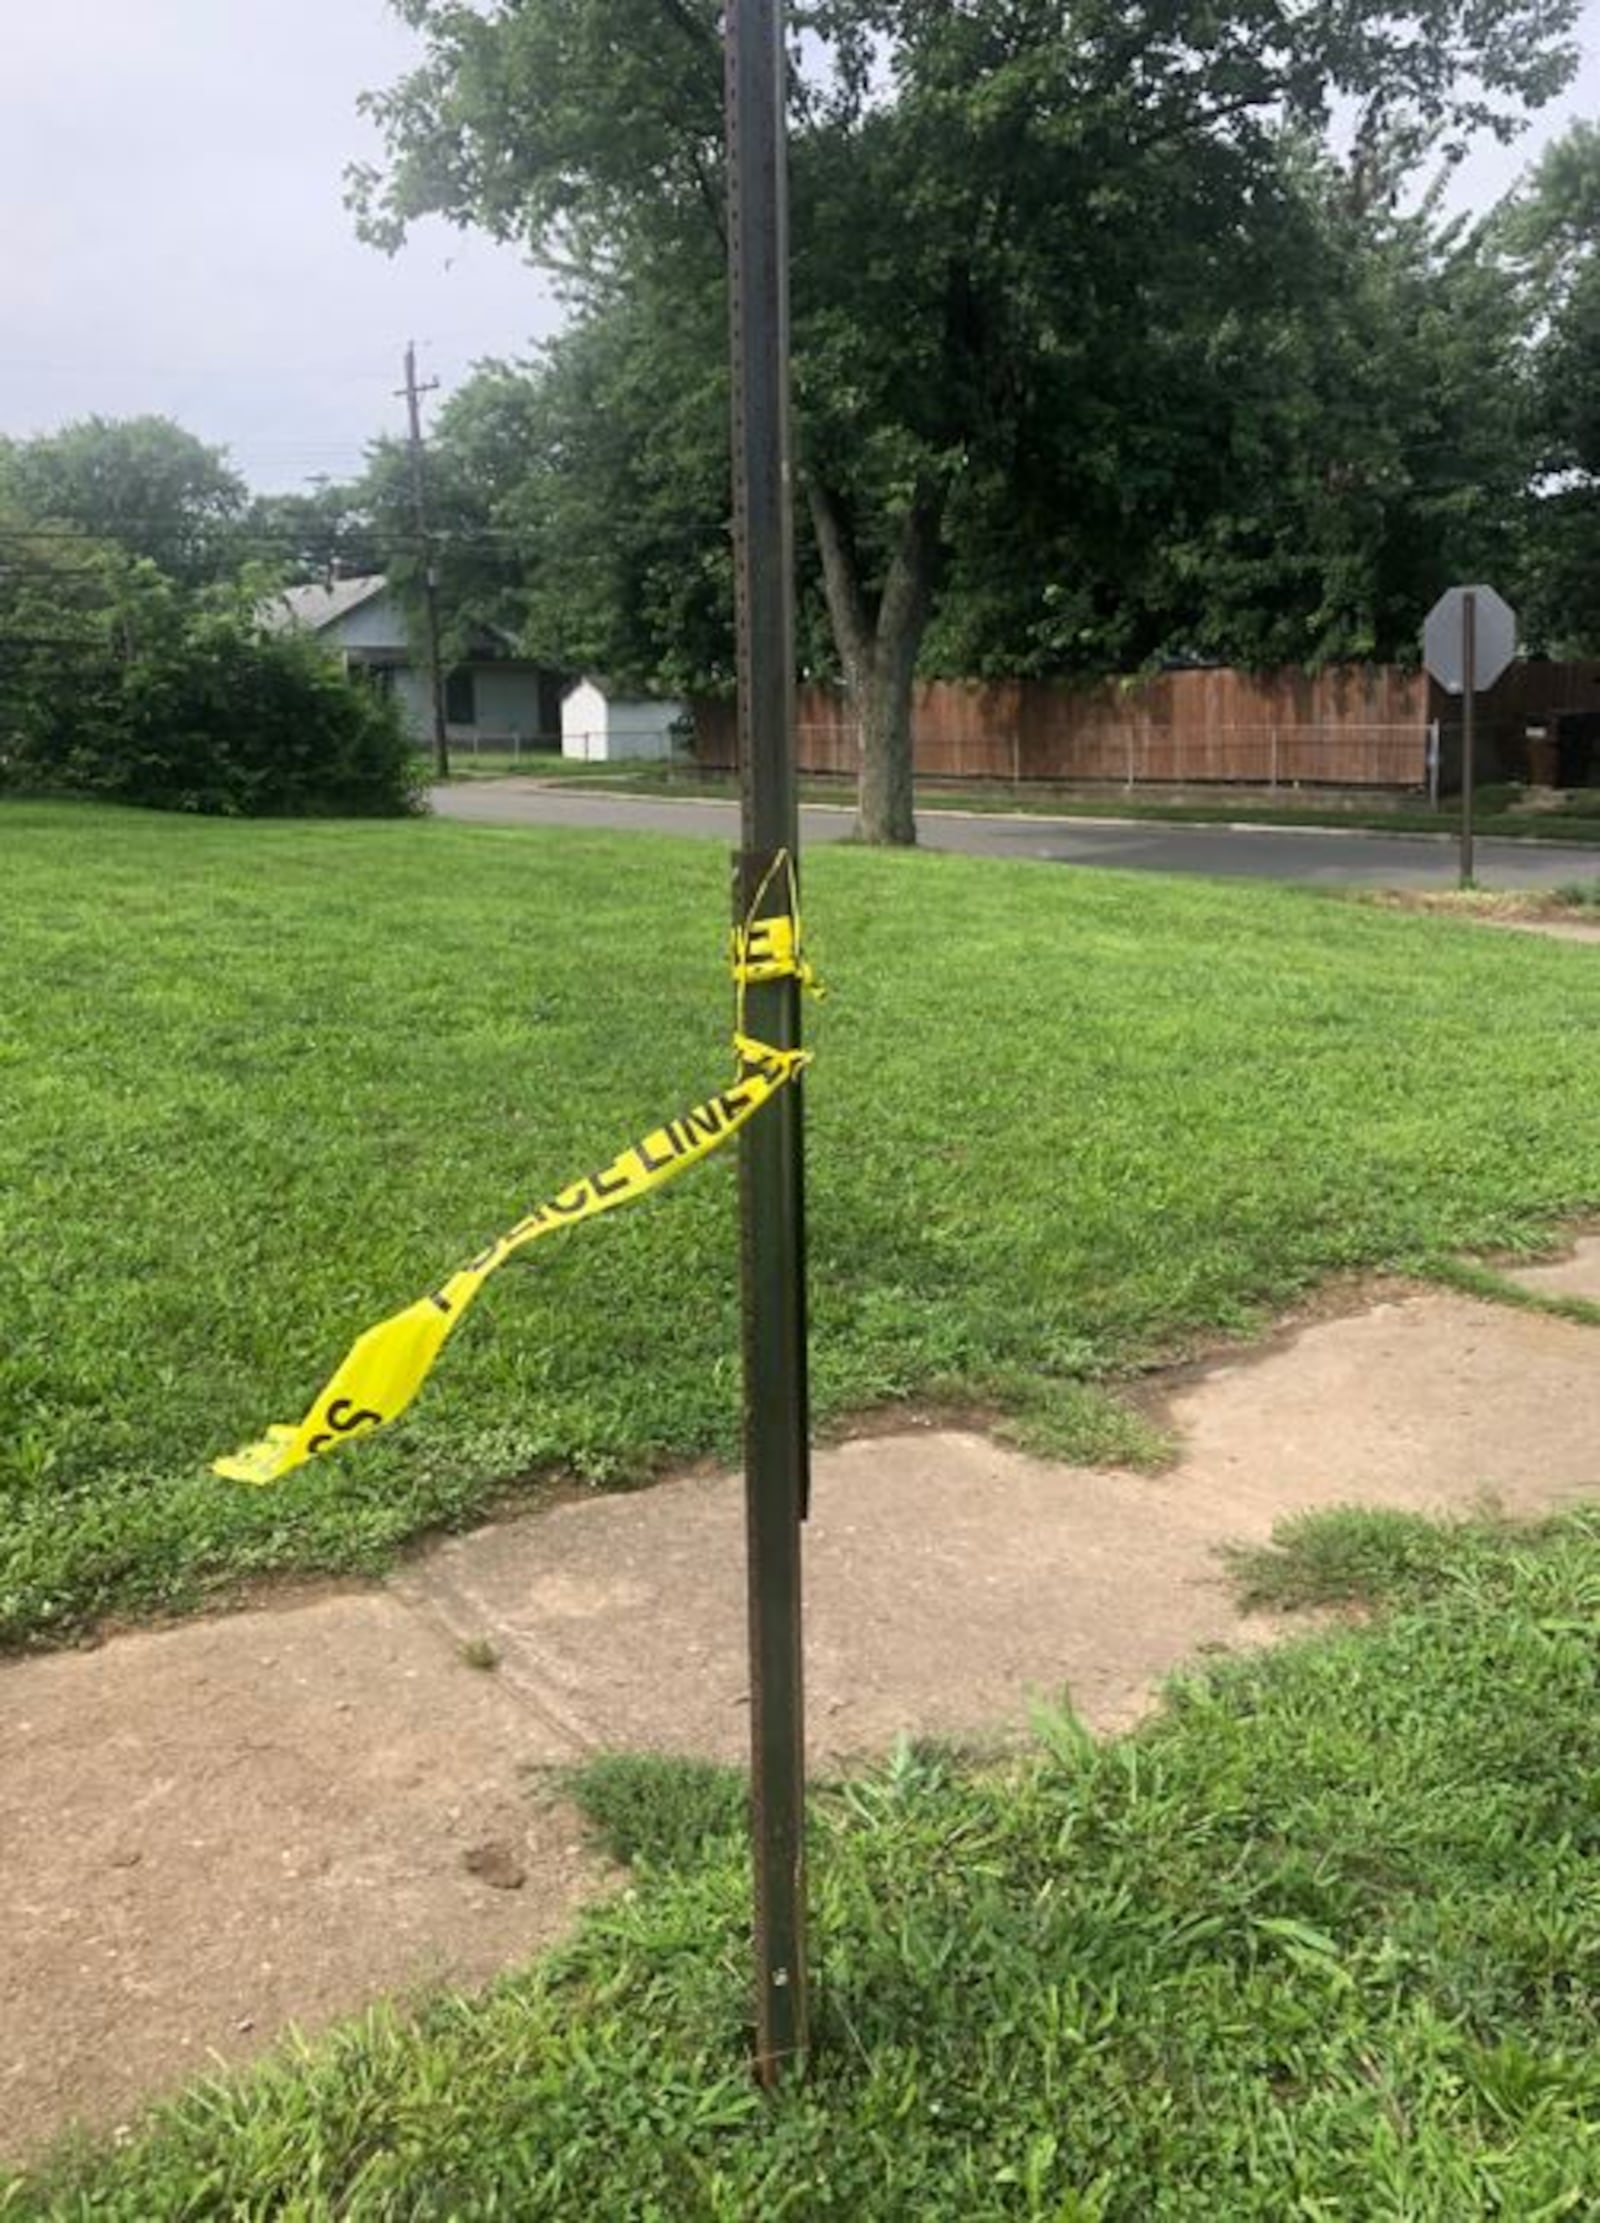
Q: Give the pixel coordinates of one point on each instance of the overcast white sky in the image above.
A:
(173, 237)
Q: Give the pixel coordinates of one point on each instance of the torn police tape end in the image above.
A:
(385, 1368)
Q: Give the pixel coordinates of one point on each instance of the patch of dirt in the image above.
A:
(212, 1831)
(1522, 911)
(912, 1417)
(1572, 926)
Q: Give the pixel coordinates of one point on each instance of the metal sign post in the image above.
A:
(771, 1165)
(1469, 713)
(1468, 640)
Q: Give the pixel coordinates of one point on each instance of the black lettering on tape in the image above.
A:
(706, 1121)
(647, 1157)
(343, 1420)
(571, 1201)
(610, 1183)
(343, 1417)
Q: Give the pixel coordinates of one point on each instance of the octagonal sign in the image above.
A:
(1444, 642)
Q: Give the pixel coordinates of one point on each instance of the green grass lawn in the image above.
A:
(495, 764)
(1322, 1945)
(467, 763)
(1575, 827)
(264, 1084)
(1578, 823)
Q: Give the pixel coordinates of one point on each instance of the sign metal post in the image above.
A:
(1469, 638)
(1469, 737)
(771, 1162)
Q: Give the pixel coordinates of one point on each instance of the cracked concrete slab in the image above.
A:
(622, 1619)
(1432, 1402)
(948, 1580)
(209, 1832)
(212, 1831)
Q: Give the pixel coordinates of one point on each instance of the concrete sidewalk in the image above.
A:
(212, 1831)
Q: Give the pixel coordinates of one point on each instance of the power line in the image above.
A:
(91, 536)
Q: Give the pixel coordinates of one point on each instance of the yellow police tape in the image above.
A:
(769, 949)
(384, 1369)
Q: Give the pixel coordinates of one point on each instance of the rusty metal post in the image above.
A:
(771, 1163)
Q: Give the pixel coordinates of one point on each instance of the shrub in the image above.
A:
(121, 686)
(228, 719)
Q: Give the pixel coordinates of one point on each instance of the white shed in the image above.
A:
(601, 726)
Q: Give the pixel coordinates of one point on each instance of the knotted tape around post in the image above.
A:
(770, 948)
(386, 1367)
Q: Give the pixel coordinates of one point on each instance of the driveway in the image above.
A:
(1312, 856)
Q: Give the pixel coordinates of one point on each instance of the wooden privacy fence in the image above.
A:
(1532, 724)
(1352, 726)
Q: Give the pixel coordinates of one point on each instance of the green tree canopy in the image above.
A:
(1551, 238)
(1012, 222)
(477, 453)
(1372, 446)
(141, 482)
(117, 682)
(311, 535)
(613, 494)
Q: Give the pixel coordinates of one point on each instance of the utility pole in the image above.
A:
(770, 1164)
(430, 578)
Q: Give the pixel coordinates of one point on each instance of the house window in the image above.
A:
(460, 698)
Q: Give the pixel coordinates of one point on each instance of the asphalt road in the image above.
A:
(1308, 855)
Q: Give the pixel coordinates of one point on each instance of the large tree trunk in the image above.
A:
(878, 653)
(885, 798)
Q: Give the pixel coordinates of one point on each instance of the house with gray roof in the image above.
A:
(493, 699)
